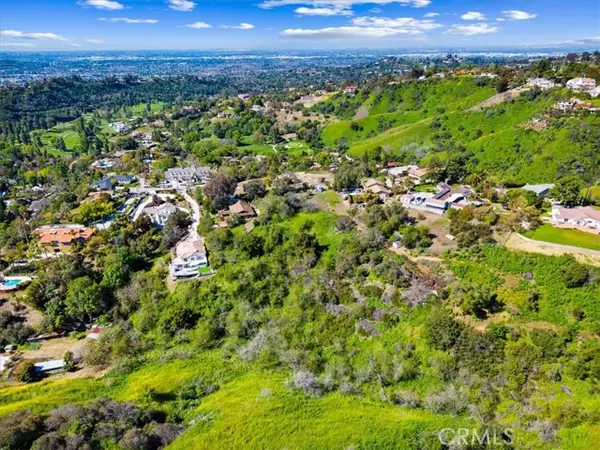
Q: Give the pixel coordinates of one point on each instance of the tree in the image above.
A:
(254, 189)
(347, 176)
(176, 228)
(60, 144)
(568, 190)
(85, 300)
(220, 189)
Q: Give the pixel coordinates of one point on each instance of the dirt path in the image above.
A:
(362, 112)
(520, 243)
(500, 98)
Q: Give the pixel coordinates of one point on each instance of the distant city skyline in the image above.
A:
(36, 25)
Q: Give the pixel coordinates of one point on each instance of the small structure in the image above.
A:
(583, 218)
(10, 348)
(58, 239)
(190, 259)
(94, 333)
(350, 90)
(541, 190)
(50, 367)
(160, 214)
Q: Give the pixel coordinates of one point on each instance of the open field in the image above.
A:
(563, 236)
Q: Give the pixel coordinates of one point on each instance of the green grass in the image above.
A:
(332, 198)
(257, 411)
(575, 238)
(141, 107)
(293, 147)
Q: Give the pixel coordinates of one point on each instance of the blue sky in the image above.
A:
(295, 24)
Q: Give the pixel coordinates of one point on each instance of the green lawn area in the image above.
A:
(332, 198)
(293, 147)
(68, 135)
(575, 238)
(140, 107)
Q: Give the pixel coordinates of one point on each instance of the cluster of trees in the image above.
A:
(101, 423)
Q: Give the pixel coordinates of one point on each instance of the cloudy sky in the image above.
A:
(294, 24)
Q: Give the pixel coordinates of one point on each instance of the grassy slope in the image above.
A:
(407, 104)
(576, 238)
(257, 411)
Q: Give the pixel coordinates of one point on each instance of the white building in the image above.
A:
(542, 83)
(160, 214)
(583, 218)
(581, 84)
(190, 258)
(185, 175)
(119, 127)
(541, 190)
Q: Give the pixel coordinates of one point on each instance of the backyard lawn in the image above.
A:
(575, 238)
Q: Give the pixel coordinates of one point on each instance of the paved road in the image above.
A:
(195, 214)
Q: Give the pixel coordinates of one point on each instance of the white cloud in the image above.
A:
(345, 32)
(473, 15)
(471, 30)
(74, 44)
(515, 14)
(413, 26)
(182, 5)
(94, 41)
(127, 20)
(38, 36)
(304, 11)
(500, 19)
(375, 10)
(344, 4)
(432, 14)
(241, 26)
(111, 5)
(16, 44)
(198, 25)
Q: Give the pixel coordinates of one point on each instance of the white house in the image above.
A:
(50, 367)
(190, 258)
(581, 84)
(160, 214)
(583, 218)
(119, 127)
(542, 83)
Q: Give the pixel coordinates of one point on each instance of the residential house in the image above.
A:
(350, 90)
(419, 175)
(541, 190)
(160, 214)
(119, 127)
(185, 175)
(542, 83)
(377, 187)
(190, 258)
(244, 97)
(37, 206)
(581, 84)
(110, 182)
(401, 171)
(583, 218)
(58, 239)
(241, 208)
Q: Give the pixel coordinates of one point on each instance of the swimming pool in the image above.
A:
(11, 283)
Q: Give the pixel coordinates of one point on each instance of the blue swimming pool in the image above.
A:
(11, 283)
